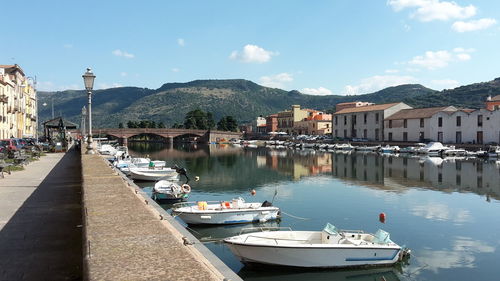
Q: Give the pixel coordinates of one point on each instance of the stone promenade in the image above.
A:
(40, 220)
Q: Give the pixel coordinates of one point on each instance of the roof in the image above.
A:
(376, 107)
(496, 98)
(12, 67)
(58, 122)
(417, 113)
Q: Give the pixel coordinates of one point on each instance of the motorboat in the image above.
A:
(152, 174)
(389, 149)
(494, 151)
(165, 190)
(367, 148)
(330, 247)
(228, 212)
(452, 151)
(107, 149)
(344, 146)
(433, 149)
(126, 164)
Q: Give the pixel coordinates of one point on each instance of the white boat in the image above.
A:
(126, 164)
(452, 151)
(328, 248)
(494, 151)
(165, 190)
(367, 148)
(107, 149)
(433, 149)
(389, 149)
(236, 211)
(344, 146)
(152, 174)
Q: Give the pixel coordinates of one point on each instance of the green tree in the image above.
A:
(120, 125)
(161, 125)
(227, 123)
(198, 119)
(131, 124)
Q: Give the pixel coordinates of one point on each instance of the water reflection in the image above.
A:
(287, 274)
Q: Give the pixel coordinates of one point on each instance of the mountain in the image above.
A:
(240, 98)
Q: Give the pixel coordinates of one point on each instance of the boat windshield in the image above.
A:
(381, 237)
(330, 229)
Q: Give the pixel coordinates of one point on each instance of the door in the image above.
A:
(440, 136)
(458, 137)
(480, 137)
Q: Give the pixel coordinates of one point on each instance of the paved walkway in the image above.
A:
(40, 220)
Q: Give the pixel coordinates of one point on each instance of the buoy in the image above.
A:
(196, 178)
(253, 192)
(381, 217)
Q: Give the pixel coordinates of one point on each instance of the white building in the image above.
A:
(365, 122)
(415, 125)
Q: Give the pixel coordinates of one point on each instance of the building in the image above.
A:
(365, 122)
(317, 123)
(351, 104)
(415, 124)
(18, 103)
(493, 103)
(272, 123)
(287, 118)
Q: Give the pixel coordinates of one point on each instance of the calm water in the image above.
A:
(446, 211)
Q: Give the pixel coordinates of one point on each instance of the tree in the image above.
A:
(161, 125)
(120, 125)
(131, 124)
(198, 119)
(227, 123)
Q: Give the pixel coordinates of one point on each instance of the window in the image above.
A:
(405, 123)
(376, 118)
(364, 118)
(336, 120)
(405, 136)
(459, 121)
(390, 123)
(345, 120)
(353, 118)
(480, 120)
(421, 122)
(440, 122)
(390, 137)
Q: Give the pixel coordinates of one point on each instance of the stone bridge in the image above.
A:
(207, 136)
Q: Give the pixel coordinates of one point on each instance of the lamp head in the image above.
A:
(88, 79)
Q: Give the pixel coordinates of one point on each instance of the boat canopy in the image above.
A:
(381, 237)
(330, 229)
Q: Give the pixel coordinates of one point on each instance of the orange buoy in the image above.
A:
(381, 217)
(253, 192)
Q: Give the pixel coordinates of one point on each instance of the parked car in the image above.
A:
(10, 144)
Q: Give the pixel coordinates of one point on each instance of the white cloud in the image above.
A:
(429, 10)
(175, 69)
(123, 74)
(108, 86)
(439, 59)
(321, 91)
(473, 25)
(120, 53)
(391, 71)
(181, 42)
(252, 54)
(444, 84)
(276, 81)
(378, 82)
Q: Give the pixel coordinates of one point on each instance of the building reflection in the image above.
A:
(399, 173)
(298, 163)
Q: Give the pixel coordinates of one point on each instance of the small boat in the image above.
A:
(433, 149)
(236, 211)
(107, 149)
(494, 151)
(452, 151)
(389, 149)
(344, 146)
(165, 190)
(152, 174)
(367, 148)
(126, 164)
(328, 248)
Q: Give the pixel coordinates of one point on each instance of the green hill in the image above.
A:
(240, 98)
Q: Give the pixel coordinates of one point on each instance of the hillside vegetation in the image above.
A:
(239, 98)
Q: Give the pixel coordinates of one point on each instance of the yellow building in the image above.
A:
(287, 119)
(18, 106)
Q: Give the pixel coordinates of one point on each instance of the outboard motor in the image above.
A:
(267, 204)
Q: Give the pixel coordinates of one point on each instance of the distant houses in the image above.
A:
(392, 122)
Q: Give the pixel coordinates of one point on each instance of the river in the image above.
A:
(445, 210)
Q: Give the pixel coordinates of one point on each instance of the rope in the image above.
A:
(295, 217)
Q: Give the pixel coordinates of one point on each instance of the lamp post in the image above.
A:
(84, 117)
(88, 80)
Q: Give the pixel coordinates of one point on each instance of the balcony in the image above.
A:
(4, 98)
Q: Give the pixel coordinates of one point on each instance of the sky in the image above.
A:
(340, 47)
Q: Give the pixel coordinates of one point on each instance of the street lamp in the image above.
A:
(88, 80)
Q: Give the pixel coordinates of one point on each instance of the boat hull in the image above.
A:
(229, 216)
(320, 257)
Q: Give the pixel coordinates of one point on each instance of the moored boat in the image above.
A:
(152, 174)
(328, 248)
(165, 190)
(494, 151)
(235, 211)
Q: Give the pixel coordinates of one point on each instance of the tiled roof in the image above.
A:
(375, 107)
(417, 113)
(495, 98)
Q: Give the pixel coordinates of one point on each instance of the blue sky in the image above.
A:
(317, 47)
